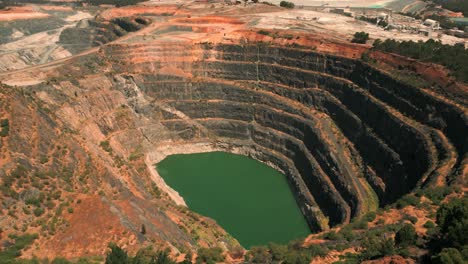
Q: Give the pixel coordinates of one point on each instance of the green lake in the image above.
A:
(251, 201)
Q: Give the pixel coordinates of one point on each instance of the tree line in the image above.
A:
(454, 58)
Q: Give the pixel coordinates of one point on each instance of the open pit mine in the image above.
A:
(83, 131)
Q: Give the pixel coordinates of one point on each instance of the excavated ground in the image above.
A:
(349, 137)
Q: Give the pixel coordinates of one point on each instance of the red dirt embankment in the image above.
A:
(209, 20)
(20, 13)
(91, 223)
(433, 73)
(322, 43)
(166, 10)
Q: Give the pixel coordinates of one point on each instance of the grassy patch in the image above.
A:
(10, 253)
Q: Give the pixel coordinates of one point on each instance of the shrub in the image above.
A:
(448, 256)
(11, 252)
(5, 127)
(210, 255)
(60, 260)
(260, 254)
(412, 219)
(369, 217)
(278, 252)
(263, 32)
(436, 194)
(297, 257)
(317, 250)
(347, 233)
(287, 4)
(375, 248)
(359, 224)
(429, 224)
(38, 211)
(454, 57)
(452, 218)
(116, 255)
(118, 3)
(360, 37)
(162, 257)
(105, 145)
(406, 236)
(332, 235)
(407, 200)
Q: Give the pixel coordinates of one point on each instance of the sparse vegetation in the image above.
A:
(105, 145)
(454, 5)
(407, 200)
(117, 3)
(452, 219)
(11, 252)
(5, 127)
(287, 4)
(406, 236)
(117, 255)
(455, 57)
(210, 255)
(360, 37)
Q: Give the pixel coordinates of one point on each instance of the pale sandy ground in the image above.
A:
(312, 21)
(21, 12)
(57, 8)
(17, 16)
(78, 16)
(339, 3)
(36, 48)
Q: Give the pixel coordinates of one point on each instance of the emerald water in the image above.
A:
(250, 200)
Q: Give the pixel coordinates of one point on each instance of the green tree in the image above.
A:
(360, 37)
(259, 254)
(116, 255)
(452, 218)
(448, 256)
(210, 255)
(287, 4)
(376, 248)
(187, 259)
(162, 257)
(60, 260)
(278, 252)
(297, 257)
(406, 236)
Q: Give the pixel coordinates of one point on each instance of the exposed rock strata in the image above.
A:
(343, 132)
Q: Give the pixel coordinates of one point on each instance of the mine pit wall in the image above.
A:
(329, 123)
(435, 112)
(405, 140)
(207, 103)
(428, 110)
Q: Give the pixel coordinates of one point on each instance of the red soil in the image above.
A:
(209, 20)
(20, 12)
(390, 260)
(323, 43)
(433, 73)
(91, 223)
(139, 10)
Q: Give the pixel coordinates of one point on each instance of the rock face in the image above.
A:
(348, 136)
